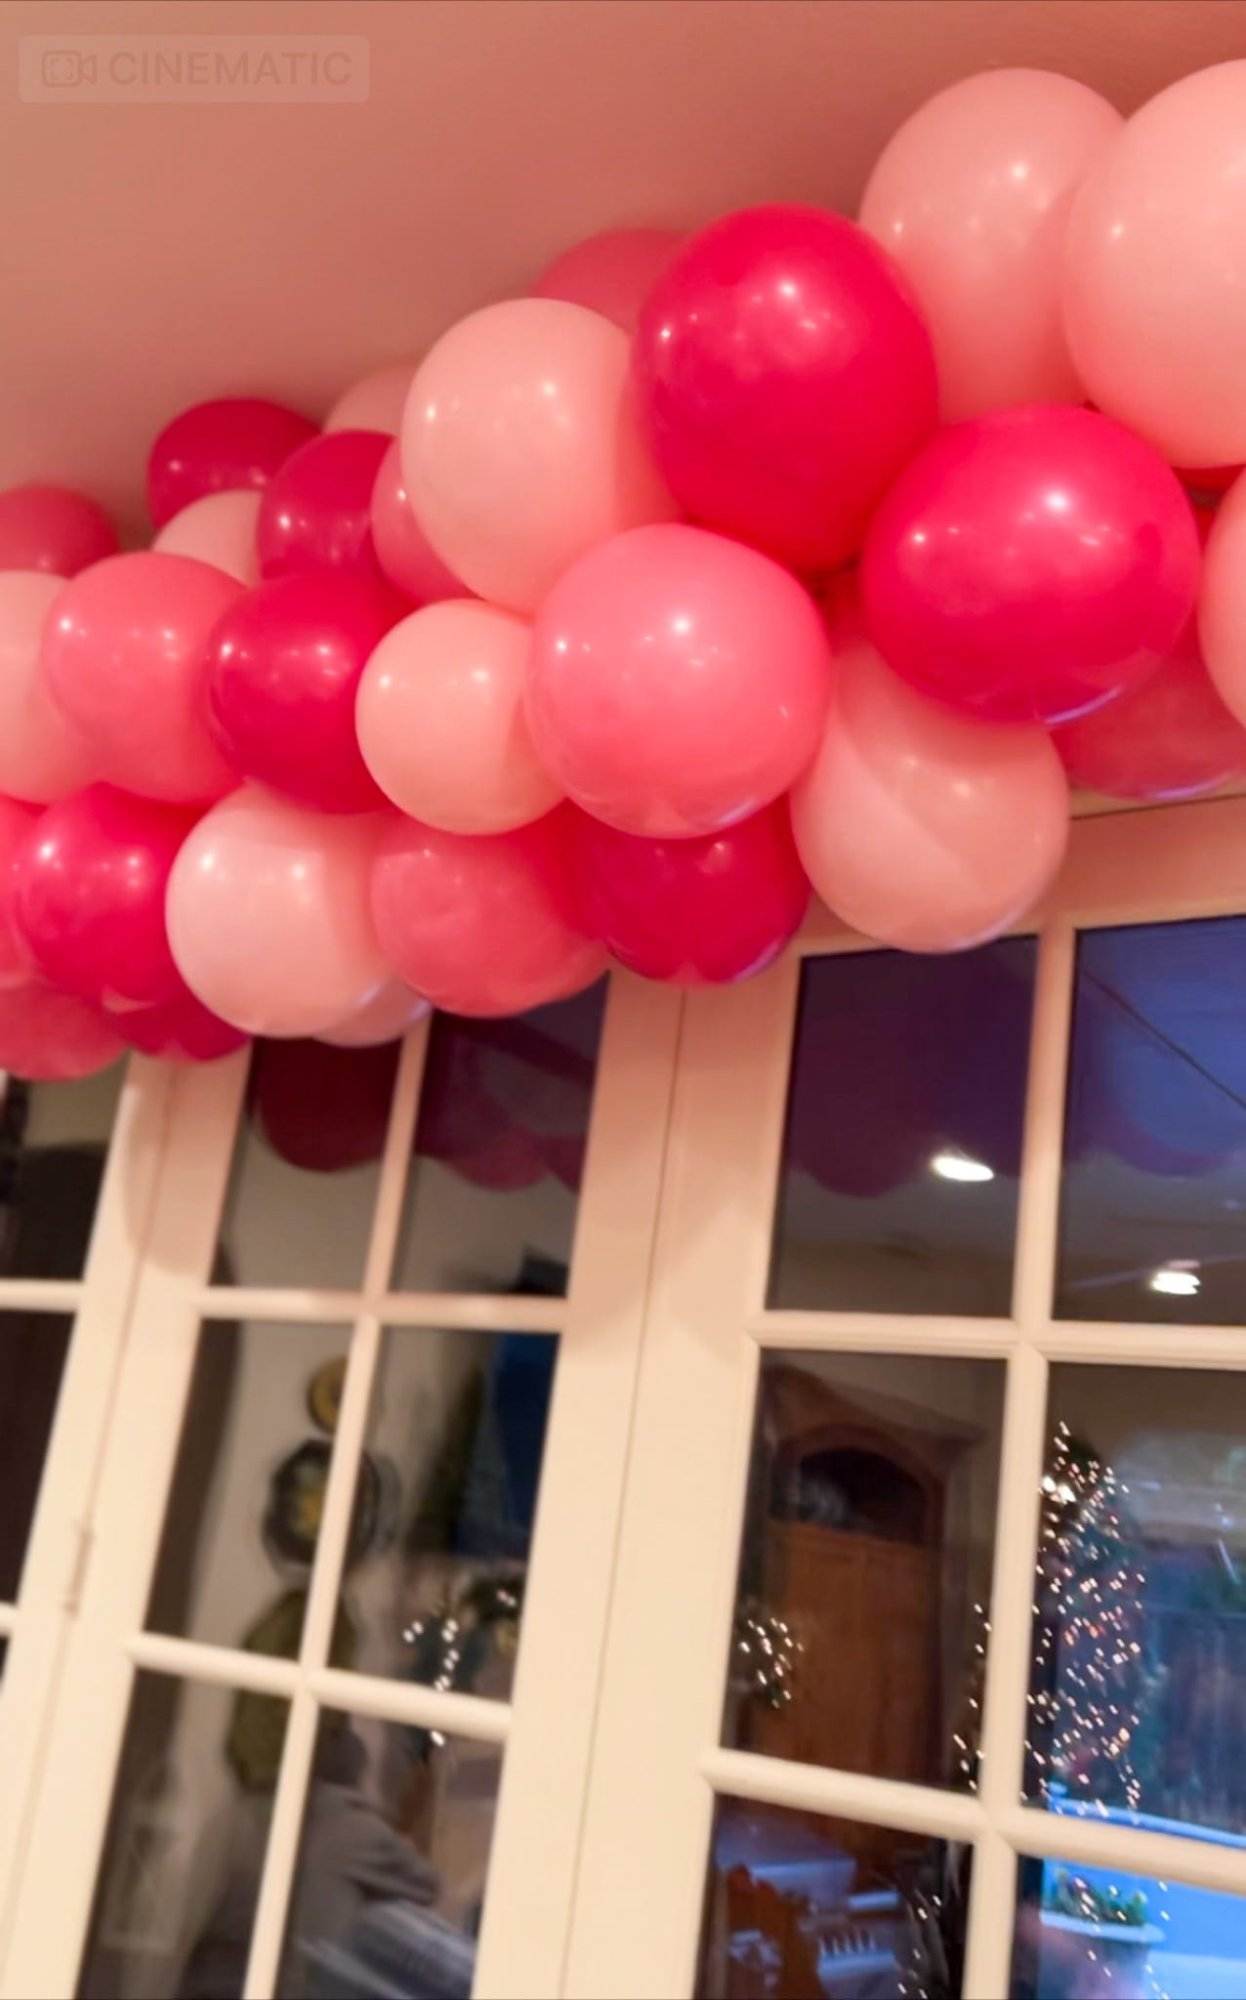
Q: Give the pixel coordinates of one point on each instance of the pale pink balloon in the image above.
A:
(268, 914)
(43, 755)
(1222, 601)
(441, 724)
(376, 402)
(521, 446)
(218, 529)
(389, 1014)
(971, 197)
(1154, 304)
(920, 827)
(610, 273)
(402, 547)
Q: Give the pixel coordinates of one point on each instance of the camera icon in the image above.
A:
(67, 69)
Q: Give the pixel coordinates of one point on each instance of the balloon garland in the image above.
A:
(795, 551)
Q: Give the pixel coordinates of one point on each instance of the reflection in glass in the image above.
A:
(861, 1623)
(53, 1141)
(499, 1150)
(391, 1872)
(457, 1428)
(1154, 1189)
(798, 1905)
(1138, 1683)
(898, 1182)
(181, 1865)
(1106, 1934)
(33, 1347)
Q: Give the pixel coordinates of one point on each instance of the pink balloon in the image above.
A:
(678, 681)
(268, 918)
(485, 924)
(387, 1016)
(89, 903)
(441, 720)
(971, 197)
(16, 965)
(1168, 737)
(43, 754)
(376, 402)
(708, 910)
(1222, 601)
(54, 529)
(283, 666)
(521, 447)
(402, 548)
(611, 273)
(785, 377)
(52, 1037)
(181, 1030)
(219, 529)
(1154, 306)
(123, 656)
(316, 513)
(234, 441)
(921, 828)
(1030, 564)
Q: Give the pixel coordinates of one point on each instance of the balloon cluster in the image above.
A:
(793, 551)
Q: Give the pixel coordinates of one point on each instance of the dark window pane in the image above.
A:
(391, 1873)
(499, 1150)
(1154, 1192)
(798, 1905)
(33, 1347)
(1105, 1934)
(53, 1141)
(180, 1871)
(1138, 1685)
(861, 1618)
(898, 1183)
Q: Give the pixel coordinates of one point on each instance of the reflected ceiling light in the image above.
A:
(1180, 1281)
(959, 1167)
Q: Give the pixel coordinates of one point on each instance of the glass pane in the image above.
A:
(180, 1871)
(1104, 1934)
(455, 1440)
(898, 1182)
(861, 1615)
(797, 1905)
(392, 1864)
(1138, 1683)
(244, 1512)
(298, 1209)
(53, 1139)
(1154, 1186)
(33, 1347)
(499, 1150)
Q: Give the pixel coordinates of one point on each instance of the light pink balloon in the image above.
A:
(971, 197)
(376, 402)
(920, 827)
(389, 1014)
(268, 914)
(441, 724)
(521, 447)
(610, 273)
(402, 547)
(218, 529)
(43, 755)
(1222, 601)
(1155, 307)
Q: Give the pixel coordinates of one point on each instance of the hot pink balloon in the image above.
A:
(708, 910)
(971, 197)
(611, 273)
(123, 656)
(441, 720)
(52, 1037)
(89, 897)
(17, 967)
(283, 666)
(219, 529)
(678, 681)
(268, 917)
(387, 1016)
(403, 550)
(484, 924)
(1169, 737)
(53, 529)
(180, 1030)
(316, 513)
(233, 441)
(919, 827)
(43, 754)
(376, 402)
(1030, 564)
(521, 446)
(785, 376)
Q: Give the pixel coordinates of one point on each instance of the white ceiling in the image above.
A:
(155, 253)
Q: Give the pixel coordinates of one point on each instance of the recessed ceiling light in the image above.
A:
(959, 1167)
(1179, 1281)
